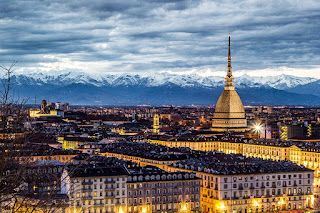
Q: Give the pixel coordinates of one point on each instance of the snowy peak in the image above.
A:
(147, 80)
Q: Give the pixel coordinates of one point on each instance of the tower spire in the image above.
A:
(229, 77)
(229, 57)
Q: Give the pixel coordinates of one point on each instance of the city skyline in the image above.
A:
(269, 38)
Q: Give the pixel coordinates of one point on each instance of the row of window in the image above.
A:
(187, 198)
(263, 184)
(102, 202)
(164, 191)
(100, 194)
(268, 192)
(267, 177)
(98, 180)
(159, 185)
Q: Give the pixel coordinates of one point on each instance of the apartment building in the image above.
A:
(234, 183)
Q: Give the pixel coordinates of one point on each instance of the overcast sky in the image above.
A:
(267, 36)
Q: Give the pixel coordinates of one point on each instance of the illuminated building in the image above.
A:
(308, 157)
(72, 142)
(232, 184)
(127, 129)
(92, 188)
(52, 113)
(154, 190)
(229, 112)
(155, 129)
(105, 188)
(45, 111)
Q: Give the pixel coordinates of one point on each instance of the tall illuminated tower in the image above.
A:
(155, 129)
(229, 113)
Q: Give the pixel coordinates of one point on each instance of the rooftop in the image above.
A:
(236, 164)
(149, 151)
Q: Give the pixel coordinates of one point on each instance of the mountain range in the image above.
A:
(162, 89)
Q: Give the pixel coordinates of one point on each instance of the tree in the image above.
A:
(15, 143)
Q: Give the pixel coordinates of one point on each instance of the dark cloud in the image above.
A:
(154, 35)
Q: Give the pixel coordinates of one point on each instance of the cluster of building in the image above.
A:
(110, 185)
(230, 158)
(302, 153)
(235, 183)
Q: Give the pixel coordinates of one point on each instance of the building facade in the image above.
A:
(242, 191)
(168, 192)
(308, 157)
(92, 188)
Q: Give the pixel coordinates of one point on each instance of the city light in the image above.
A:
(222, 206)
(257, 127)
(120, 210)
(184, 207)
(144, 210)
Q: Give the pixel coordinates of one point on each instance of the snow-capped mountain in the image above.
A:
(163, 88)
(191, 80)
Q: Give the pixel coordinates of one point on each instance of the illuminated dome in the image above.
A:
(229, 105)
(229, 113)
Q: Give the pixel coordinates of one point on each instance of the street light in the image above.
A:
(257, 128)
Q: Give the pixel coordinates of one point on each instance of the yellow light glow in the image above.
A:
(144, 210)
(256, 203)
(222, 206)
(281, 202)
(184, 207)
(257, 127)
(120, 210)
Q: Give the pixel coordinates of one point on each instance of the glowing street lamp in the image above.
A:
(184, 207)
(257, 128)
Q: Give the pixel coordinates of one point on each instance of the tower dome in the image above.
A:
(229, 112)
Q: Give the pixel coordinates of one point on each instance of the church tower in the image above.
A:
(156, 124)
(229, 112)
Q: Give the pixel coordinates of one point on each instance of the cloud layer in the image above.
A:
(160, 35)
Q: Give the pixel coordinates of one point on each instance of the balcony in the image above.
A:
(87, 182)
(109, 181)
(87, 189)
(110, 189)
(88, 197)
